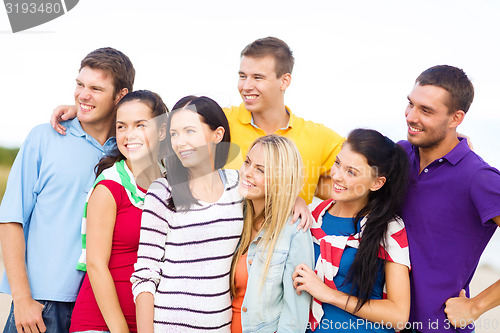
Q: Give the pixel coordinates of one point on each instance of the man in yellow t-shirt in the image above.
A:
(265, 74)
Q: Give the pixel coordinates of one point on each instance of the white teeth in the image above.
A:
(134, 145)
(414, 129)
(338, 187)
(246, 183)
(250, 97)
(186, 153)
(86, 107)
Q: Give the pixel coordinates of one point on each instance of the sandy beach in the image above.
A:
(485, 276)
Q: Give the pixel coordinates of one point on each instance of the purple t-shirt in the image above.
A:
(447, 214)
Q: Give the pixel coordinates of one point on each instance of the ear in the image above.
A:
(163, 132)
(286, 79)
(377, 184)
(120, 95)
(457, 118)
(218, 134)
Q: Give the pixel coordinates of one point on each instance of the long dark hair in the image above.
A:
(159, 110)
(178, 175)
(388, 160)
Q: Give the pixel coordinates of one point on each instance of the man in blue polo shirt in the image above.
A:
(40, 214)
(452, 207)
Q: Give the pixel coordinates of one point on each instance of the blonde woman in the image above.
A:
(264, 298)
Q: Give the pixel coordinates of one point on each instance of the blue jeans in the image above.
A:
(56, 317)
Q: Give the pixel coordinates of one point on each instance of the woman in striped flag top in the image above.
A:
(191, 223)
(361, 279)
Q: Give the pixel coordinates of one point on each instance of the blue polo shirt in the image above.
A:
(46, 191)
(447, 214)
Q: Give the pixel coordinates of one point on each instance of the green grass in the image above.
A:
(4, 174)
(7, 156)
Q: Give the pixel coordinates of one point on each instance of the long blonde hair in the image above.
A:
(284, 179)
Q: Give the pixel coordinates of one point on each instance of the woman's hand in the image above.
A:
(304, 279)
(300, 210)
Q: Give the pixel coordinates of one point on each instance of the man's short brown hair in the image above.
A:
(454, 81)
(275, 47)
(114, 63)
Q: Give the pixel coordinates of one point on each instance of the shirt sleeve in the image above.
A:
(295, 313)
(485, 193)
(154, 231)
(23, 183)
(395, 246)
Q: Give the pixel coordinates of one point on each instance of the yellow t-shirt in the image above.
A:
(318, 145)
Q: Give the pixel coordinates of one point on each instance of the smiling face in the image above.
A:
(192, 139)
(353, 178)
(253, 175)
(427, 116)
(94, 96)
(258, 85)
(137, 132)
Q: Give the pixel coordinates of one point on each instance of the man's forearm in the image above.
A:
(462, 311)
(488, 298)
(13, 249)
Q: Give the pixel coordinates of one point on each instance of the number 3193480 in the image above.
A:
(33, 8)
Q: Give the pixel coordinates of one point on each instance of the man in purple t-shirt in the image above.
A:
(452, 207)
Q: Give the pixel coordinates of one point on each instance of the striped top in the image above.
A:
(184, 258)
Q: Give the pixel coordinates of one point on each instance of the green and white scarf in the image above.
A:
(121, 174)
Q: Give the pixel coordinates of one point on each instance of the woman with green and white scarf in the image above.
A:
(112, 216)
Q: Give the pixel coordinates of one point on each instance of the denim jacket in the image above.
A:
(274, 306)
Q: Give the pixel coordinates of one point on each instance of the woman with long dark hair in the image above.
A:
(112, 217)
(362, 268)
(191, 224)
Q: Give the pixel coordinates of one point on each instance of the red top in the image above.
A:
(240, 283)
(86, 314)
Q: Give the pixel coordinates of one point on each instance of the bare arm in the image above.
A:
(462, 311)
(62, 113)
(395, 309)
(323, 190)
(27, 311)
(144, 310)
(101, 216)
